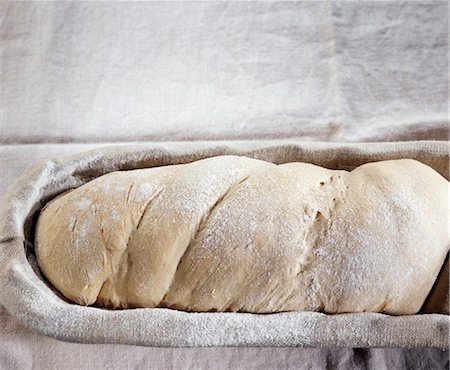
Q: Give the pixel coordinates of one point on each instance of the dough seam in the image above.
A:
(338, 193)
(125, 254)
(200, 227)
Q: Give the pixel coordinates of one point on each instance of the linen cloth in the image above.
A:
(330, 71)
(319, 70)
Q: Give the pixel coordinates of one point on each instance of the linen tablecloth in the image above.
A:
(77, 74)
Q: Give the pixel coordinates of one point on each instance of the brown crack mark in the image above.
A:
(58, 208)
(104, 240)
(128, 247)
(129, 192)
(74, 224)
(103, 237)
(147, 206)
(107, 253)
(103, 302)
(138, 224)
(125, 253)
(386, 301)
(200, 227)
(217, 203)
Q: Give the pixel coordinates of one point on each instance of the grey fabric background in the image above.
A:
(104, 72)
(320, 70)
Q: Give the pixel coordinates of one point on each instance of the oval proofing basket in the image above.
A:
(27, 295)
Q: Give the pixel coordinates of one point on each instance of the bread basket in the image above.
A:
(27, 295)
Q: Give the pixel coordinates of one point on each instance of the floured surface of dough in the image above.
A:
(237, 234)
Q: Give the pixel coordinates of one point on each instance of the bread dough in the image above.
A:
(231, 233)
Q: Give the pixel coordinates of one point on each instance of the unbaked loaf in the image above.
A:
(231, 233)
